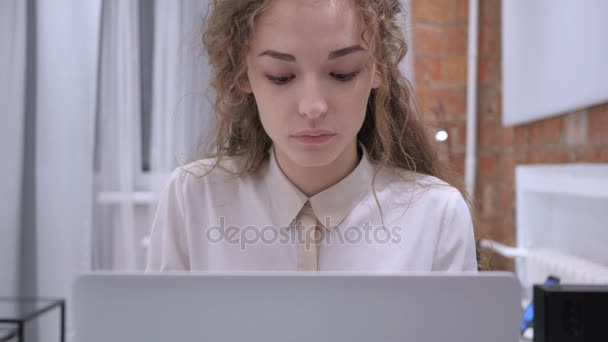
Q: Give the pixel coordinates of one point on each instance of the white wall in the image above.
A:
(555, 57)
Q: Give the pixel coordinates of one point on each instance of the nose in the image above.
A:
(313, 103)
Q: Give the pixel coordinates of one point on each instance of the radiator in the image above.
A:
(537, 264)
(570, 269)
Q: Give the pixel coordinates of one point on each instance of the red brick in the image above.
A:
(507, 198)
(549, 156)
(430, 121)
(488, 102)
(495, 207)
(460, 10)
(430, 131)
(508, 137)
(509, 229)
(598, 123)
(490, 12)
(499, 99)
(458, 163)
(457, 133)
(427, 104)
(454, 69)
(576, 129)
(428, 70)
(428, 40)
(489, 134)
(489, 70)
(521, 136)
(592, 154)
(521, 157)
(451, 99)
(511, 218)
(492, 227)
(443, 151)
(431, 11)
(507, 165)
(495, 229)
(489, 201)
(489, 167)
(548, 131)
(500, 263)
(456, 40)
(507, 195)
(456, 143)
(489, 40)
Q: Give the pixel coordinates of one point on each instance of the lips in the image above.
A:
(313, 133)
(314, 137)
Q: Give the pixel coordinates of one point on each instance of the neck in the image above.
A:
(312, 180)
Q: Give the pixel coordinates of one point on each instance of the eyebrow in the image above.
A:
(332, 55)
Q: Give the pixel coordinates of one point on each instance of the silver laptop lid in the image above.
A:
(297, 307)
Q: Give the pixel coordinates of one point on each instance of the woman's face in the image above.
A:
(311, 75)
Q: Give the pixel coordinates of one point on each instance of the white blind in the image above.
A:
(555, 55)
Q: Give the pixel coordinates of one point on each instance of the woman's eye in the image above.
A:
(344, 77)
(280, 79)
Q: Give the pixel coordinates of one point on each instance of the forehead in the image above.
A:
(296, 24)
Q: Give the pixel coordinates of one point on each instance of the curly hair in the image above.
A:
(393, 132)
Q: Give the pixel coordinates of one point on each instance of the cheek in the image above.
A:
(353, 109)
(272, 102)
(350, 114)
(273, 115)
(356, 92)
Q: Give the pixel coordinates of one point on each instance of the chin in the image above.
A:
(318, 156)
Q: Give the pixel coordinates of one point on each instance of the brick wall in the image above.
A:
(439, 32)
(439, 47)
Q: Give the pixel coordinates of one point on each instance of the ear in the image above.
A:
(245, 85)
(375, 78)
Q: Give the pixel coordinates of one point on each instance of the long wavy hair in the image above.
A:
(393, 132)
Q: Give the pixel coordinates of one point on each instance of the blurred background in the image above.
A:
(101, 99)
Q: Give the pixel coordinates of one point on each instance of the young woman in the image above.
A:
(320, 161)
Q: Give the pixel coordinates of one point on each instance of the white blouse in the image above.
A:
(219, 222)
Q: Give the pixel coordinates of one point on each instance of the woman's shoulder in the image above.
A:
(428, 198)
(403, 178)
(209, 169)
(207, 173)
(414, 185)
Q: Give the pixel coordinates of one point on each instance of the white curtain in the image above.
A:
(118, 156)
(125, 192)
(181, 73)
(75, 194)
(12, 100)
(182, 120)
(48, 63)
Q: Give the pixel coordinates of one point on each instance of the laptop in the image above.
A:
(298, 307)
